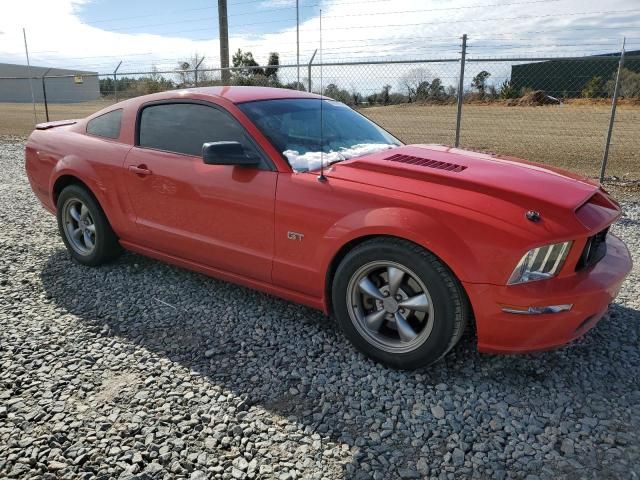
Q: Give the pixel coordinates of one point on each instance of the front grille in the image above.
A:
(594, 250)
(425, 162)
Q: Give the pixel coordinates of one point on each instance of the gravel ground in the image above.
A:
(142, 370)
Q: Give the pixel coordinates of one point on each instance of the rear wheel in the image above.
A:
(398, 303)
(84, 227)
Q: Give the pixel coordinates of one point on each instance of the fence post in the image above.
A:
(33, 98)
(309, 67)
(44, 95)
(115, 81)
(196, 69)
(612, 117)
(463, 57)
(298, 39)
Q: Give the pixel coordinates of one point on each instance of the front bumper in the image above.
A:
(589, 291)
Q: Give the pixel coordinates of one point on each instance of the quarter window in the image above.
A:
(106, 125)
(184, 127)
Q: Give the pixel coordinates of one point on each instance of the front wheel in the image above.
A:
(398, 303)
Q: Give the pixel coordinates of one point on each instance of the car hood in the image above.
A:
(407, 168)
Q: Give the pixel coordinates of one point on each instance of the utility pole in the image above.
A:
(224, 41)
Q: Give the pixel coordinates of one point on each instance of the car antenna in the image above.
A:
(321, 177)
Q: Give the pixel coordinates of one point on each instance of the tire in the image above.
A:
(79, 211)
(432, 306)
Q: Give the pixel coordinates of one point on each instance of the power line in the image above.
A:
(96, 56)
(177, 22)
(472, 32)
(192, 20)
(129, 17)
(555, 15)
(552, 45)
(288, 8)
(108, 20)
(412, 38)
(199, 19)
(401, 42)
(444, 9)
(566, 30)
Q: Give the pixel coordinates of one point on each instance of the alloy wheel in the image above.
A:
(390, 306)
(79, 226)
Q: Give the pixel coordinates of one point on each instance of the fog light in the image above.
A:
(538, 310)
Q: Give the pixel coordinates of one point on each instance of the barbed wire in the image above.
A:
(356, 55)
(350, 54)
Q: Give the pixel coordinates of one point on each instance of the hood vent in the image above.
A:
(425, 162)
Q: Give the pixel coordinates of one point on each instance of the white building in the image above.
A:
(76, 86)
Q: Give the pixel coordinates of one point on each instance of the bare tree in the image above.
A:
(186, 74)
(412, 80)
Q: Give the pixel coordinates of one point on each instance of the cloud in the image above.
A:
(383, 29)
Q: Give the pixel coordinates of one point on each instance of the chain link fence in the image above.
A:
(550, 110)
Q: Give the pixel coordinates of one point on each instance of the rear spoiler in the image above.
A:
(57, 123)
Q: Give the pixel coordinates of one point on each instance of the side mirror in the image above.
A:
(227, 153)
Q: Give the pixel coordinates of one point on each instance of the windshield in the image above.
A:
(293, 126)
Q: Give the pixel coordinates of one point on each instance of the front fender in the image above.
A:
(423, 229)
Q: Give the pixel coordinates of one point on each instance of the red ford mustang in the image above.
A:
(403, 244)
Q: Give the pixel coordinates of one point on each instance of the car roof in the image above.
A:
(239, 94)
(233, 94)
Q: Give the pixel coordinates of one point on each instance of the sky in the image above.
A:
(96, 34)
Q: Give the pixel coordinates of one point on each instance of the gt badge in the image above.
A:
(295, 236)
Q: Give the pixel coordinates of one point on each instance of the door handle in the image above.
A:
(141, 170)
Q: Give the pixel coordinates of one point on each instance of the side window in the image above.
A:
(184, 127)
(107, 125)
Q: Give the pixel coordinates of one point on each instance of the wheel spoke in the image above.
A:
(419, 303)
(88, 241)
(370, 289)
(395, 276)
(74, 213)
(374, 320)
(405, 330)
(91, 228)
(77, 233)
(84, 211)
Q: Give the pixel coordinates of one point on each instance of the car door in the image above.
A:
(218, 215)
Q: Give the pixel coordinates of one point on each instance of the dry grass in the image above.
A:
(569, 136)
(17, 118)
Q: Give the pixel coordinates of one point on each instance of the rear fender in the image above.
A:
(74, 166)
(85, 172)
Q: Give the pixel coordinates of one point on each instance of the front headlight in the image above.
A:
(540, 263)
